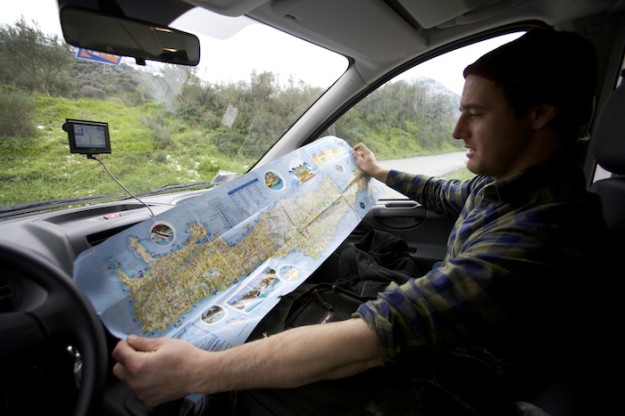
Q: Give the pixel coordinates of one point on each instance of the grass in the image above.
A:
(41, 168)
(462, 174)
(151, 147)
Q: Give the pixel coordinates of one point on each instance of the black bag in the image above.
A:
(368, 265)
(368, 261)
(310, 303)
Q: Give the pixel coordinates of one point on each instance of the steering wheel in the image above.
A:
(51, 306)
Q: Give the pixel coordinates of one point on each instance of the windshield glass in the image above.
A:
(168, 125)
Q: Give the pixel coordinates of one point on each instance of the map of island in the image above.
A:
(209, 269)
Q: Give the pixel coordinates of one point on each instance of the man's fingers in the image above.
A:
(118, 371)
(121, 350)
(142, 344)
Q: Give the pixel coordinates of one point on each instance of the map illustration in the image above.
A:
(210, 268)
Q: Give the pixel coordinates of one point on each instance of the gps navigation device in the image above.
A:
(87, 137)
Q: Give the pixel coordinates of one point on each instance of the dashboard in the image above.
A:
(53, 342)
(60, 236)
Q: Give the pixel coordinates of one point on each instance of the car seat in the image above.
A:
(579, 394)
(609, 151)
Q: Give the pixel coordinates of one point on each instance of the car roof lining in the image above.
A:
(427, 19)
(401, 29)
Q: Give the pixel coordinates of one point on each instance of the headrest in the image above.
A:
(609, 140)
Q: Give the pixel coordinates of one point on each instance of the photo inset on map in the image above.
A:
(255, 290)
(290, 273)
(274, 181)
(327, 153)
(162, 234)
(213, 314)
(301, 170)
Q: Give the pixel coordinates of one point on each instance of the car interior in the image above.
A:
(53, 346)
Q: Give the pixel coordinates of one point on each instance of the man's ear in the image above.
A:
(541, 115)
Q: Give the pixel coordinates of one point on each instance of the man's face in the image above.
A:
(497, 139)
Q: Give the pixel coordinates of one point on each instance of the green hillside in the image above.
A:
(168, 126)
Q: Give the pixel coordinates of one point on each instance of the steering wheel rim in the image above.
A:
(63, 312)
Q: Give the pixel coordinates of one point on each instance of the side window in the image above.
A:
(408, 121)
(600, 172)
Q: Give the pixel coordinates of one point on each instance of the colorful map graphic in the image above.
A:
(210, 268)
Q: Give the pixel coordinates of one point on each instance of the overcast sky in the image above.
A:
(220, 61)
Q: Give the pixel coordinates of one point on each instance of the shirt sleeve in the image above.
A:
(515, 278)
(444, 196)
(470, 299)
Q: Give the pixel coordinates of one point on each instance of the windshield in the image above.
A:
(168, 125)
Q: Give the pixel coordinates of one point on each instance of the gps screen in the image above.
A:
(88, 137)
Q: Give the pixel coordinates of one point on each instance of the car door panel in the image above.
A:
(425, 231)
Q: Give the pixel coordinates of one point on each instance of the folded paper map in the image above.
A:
(210, 268)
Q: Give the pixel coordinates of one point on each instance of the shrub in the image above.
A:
(89, 91)
(227, 141)
(17, 113)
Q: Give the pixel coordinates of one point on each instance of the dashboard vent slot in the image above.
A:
(92, 212)
(97, 238)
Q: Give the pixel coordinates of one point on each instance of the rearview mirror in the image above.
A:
(127, 37)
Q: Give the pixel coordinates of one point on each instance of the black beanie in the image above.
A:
(544, 66)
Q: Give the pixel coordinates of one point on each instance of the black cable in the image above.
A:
(120, 184)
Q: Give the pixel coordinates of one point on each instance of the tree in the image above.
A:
(34, 61)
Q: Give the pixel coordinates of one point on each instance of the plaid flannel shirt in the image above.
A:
(513, 272)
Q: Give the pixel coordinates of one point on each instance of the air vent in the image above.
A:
(92, 212)
(97, 238)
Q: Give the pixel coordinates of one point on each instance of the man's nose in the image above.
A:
(458, 132)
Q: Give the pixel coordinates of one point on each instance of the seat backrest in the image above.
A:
(609, 151)
(586, 391)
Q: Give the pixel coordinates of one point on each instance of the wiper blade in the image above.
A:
(8, 210)
(221, 177)
(176, 186)
(16, 209)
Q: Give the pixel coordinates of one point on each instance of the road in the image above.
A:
(435, 165)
